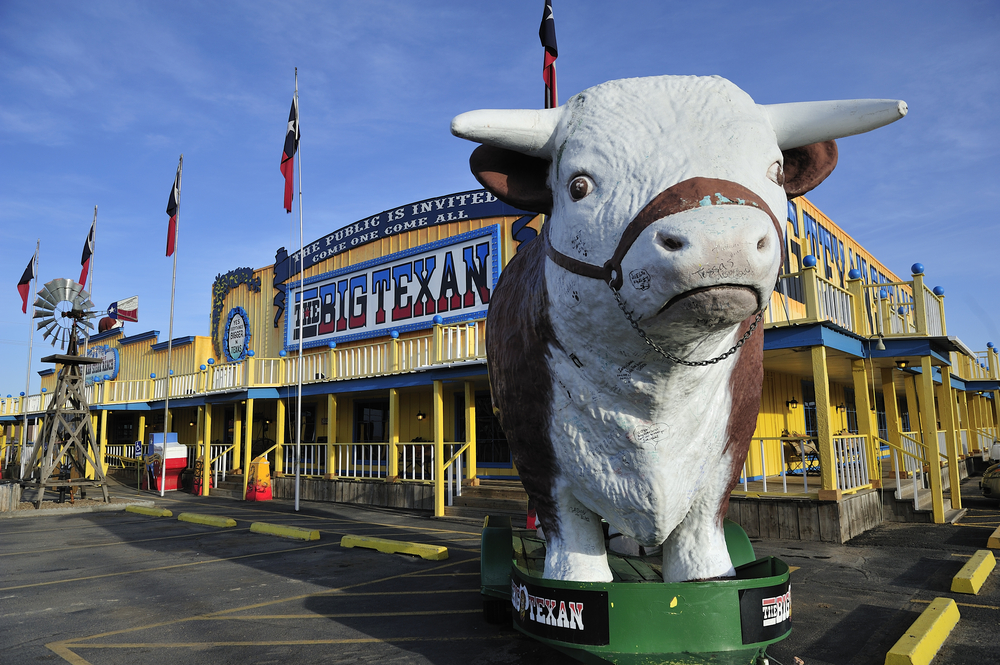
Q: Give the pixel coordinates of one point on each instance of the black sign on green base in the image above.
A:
(765, 613)
(574, 616)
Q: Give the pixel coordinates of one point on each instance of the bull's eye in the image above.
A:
(776, 174)
(580, 186)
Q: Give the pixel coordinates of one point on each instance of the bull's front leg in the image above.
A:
(696, 548)
(575, 549)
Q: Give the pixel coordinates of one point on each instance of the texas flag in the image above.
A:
(24, 286)
(288, 154)
(88, 251)
(547, 33)
(125, 310)
(172, 205)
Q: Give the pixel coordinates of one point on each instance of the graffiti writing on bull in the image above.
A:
(453, 279)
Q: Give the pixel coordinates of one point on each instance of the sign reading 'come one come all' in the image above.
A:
(451, 278)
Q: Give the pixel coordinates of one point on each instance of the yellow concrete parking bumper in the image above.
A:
(994, 540)
(209, 520)
(284, 531)
(148, 510)
(430, 552)
(974, 573)
(924, 638)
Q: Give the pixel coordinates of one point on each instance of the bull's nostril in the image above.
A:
(673, 244)
(762, 243)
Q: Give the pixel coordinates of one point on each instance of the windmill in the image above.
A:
(65, 450)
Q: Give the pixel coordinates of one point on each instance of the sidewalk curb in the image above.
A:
(47, 512)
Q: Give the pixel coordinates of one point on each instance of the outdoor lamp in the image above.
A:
(901, 364)
(792, 404)
(841, 408)
(421, 415)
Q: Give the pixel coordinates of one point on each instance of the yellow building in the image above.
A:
(860, 375)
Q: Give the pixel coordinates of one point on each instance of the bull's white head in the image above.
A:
(670, 189)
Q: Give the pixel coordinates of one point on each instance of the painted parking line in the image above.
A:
(960, 604)
(117, 543)
(158, 568)
(65, 648)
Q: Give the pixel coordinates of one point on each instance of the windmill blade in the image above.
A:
(88, 324)
(48, 331)
(46, 297)
(63, 288)
(42, 324)
(42, 313)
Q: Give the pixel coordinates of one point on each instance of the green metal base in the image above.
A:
(638, 619)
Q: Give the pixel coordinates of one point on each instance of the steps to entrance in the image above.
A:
(491, 497)
(229, 489)
(902, 509)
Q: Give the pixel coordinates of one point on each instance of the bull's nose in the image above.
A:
(764, 243)
(671, 242)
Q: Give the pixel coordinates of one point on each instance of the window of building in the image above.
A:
(371, 421)
(492, 449)
(809, 407)
(852, 411)
(883, 421)
(793, 218)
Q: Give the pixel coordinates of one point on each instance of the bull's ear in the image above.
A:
(807, 166)
(514, 178)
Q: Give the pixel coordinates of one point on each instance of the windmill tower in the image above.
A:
(66, 447)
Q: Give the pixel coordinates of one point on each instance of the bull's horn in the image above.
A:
(522, 130)
(803, 123)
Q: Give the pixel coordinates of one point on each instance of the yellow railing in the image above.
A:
(443, 344)
(888, 309)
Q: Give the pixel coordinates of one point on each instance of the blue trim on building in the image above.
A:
(180, 341)
(107, 334)
(815, 334)
(180, 403)
(124, 406)
(152, 334)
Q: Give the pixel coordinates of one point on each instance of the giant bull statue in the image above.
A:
(623, 361)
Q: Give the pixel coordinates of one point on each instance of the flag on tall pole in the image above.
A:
(172, 205)
(24, 286)
(547, 33)
(88, 251)
(288, 153)
(173, 209)
(29, 277)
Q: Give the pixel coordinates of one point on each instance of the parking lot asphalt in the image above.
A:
(115, 587)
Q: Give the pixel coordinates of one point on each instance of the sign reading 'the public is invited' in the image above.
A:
(451, 278)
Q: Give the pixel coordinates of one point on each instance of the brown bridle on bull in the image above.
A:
(685, 195)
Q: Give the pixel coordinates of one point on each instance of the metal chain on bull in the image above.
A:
(681, 361)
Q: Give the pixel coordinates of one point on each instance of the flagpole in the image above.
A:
(90, 278)
(27, 373)
(170, 333)
(298, 418)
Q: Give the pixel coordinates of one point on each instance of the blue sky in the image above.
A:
(98, 100)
